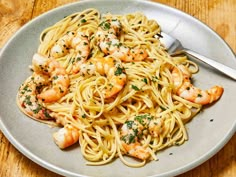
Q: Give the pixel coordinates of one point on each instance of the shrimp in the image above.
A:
(66, 136)
(186, 90)
(112, 69)
(27, 98)
(77, 41)
(31, 106)
(56, 73)
(136, 150)
(110, 44)
(133, 130)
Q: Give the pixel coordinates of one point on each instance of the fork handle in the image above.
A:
(220, 67)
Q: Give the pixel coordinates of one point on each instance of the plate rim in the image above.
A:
(30, 155)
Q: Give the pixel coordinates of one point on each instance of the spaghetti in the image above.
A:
(123, 96)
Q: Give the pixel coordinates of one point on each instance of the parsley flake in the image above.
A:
(119, 71)
(135, 88)
(145, 80)
(83, 21)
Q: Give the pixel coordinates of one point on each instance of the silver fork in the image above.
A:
(174, 47)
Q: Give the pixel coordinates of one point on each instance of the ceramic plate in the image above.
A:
(208, 131)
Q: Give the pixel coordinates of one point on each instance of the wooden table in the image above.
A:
(220, 15)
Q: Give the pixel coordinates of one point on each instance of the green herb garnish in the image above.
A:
(145, 80)
(83, 21)
(129, 123)
(119, 71)
(135, 88)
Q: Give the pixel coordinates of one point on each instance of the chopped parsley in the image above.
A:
(83, 21)
(26, 89)
(105, 25)
(163, 109)
(129, 123)
(137, 130)
(55, 77)
(37, 109)
(141, 118)
(27, 100)
(130, 138)
(117, 44)
(145, 80)
(135, 88)
(109, 43)
(199, 95)
(46, 114)
(61, 90)
(154, 78)
(119, 71)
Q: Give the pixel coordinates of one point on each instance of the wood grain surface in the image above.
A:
(220, 15)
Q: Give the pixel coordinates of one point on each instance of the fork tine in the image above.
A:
(171, 44)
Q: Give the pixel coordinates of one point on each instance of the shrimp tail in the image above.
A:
(215, 93)
(66, 136)
(188, 91)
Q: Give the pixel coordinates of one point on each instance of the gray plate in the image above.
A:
(206, 137)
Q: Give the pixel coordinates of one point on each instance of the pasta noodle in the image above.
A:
(148, 95)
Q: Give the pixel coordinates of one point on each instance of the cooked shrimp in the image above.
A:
(78, 42)
(109, 43)
(66, 136)
(27, 98)
(155, 127)
(133, 129)
(109, 67)
(136, 150)
(58, 75)
(191, 93)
